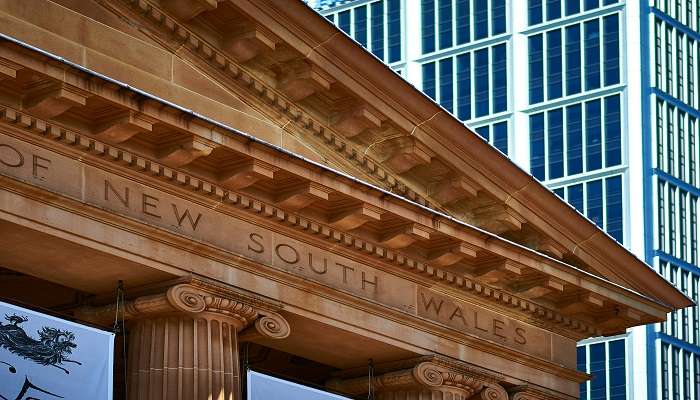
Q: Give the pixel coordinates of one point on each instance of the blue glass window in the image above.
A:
(481, 19)
(574, 140)
(554, 70)
(537, 146)
(553, 9)
(377, 34)
(481, 77)
(446, 90)
(555, 139)
(464, 87)
(331, 17)
(611, 50)
(592, 54)
(500, 136)
(534, 12)
(616, 357)
(361, 25)
(445, 23)
(559, 192)
(590, 4)
(394, 29)
(573, 59)
(498, 12)
(429, 79)
(483, 131)
(593, 144)
(613, 130)
(463, 24)
(608, 2)
(572, 7)
(581, 366)
(613, 208)
(500, 78)
(575, 193)
(594, 211)
(428, 25)
(536, 68)
(344, 21)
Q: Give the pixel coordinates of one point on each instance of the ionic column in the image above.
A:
(426, 378)
(183, 341)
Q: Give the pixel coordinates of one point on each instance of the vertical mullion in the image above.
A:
(582, 57)
(472, 89)
(584, 137)
(489, 66)
(489, 17)
(601, 54)
(607, 353)
(603, 203)
(565, 140)
(352, 22)
(472, 20)
(436, 25)
(545, 67)
(603, 132)
(455, 89)
(454, 31)
(385, 33)
(546, 144)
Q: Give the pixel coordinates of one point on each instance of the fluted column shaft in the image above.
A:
(183, 357)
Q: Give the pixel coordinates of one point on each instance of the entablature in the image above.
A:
(186, 151)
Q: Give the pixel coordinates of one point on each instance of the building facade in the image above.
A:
(236, 186)
(604, 97)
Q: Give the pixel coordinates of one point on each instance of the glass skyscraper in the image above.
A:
(604, 95)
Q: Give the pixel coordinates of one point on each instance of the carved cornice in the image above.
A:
(434, 374)
(538, 314)
(197, 298)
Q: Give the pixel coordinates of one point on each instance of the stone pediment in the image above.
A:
(329, 100)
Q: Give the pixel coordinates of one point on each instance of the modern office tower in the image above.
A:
(599, 100)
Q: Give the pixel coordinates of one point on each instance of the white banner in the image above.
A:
(265, 387)
(45, 358)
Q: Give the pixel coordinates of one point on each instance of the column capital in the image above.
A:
(201, 298)
(433, 374)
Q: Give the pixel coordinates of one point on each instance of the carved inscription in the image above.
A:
(246, 239)
(481, 322)
(40, 167)
(332, 269)
(152, 206)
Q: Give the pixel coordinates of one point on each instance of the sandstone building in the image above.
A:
(272, 196)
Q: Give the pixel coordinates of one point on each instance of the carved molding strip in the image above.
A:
(541, 316)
